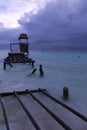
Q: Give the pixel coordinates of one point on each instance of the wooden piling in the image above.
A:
(65, 92)
(4, 65)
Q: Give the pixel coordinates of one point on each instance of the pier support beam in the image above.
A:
(6, 63)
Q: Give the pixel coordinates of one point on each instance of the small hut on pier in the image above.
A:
(21, 54)
(22, 45)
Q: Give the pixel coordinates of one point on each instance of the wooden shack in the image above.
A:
(21, 54)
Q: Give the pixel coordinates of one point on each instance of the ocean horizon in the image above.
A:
(47, 47)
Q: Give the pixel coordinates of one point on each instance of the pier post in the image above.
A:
(32, 63)
(4, 65)
(65, 92)
(41, 70)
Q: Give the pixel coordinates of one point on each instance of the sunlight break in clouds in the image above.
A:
(12, 11)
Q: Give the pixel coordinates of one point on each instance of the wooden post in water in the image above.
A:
(41, 70)
(65, 92)
(4, 65)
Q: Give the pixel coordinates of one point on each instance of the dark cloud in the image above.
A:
(8, 36)
(61, 24)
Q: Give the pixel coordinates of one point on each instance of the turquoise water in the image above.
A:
(61, 68)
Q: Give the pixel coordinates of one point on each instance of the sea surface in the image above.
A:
(61, 68)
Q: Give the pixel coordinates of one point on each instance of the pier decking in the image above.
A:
(37, 106)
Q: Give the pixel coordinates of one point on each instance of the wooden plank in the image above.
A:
(4, 113)
(65, 106)
(27, 112)
(18, 92)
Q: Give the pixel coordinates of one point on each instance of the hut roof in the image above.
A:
(23, 36)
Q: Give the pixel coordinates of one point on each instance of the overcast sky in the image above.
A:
(49, 24)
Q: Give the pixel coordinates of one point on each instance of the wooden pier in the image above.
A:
(48, 115)
(21, 55)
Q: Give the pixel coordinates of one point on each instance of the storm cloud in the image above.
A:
(59, 25)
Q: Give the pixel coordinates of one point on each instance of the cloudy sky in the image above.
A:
(51, 24)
